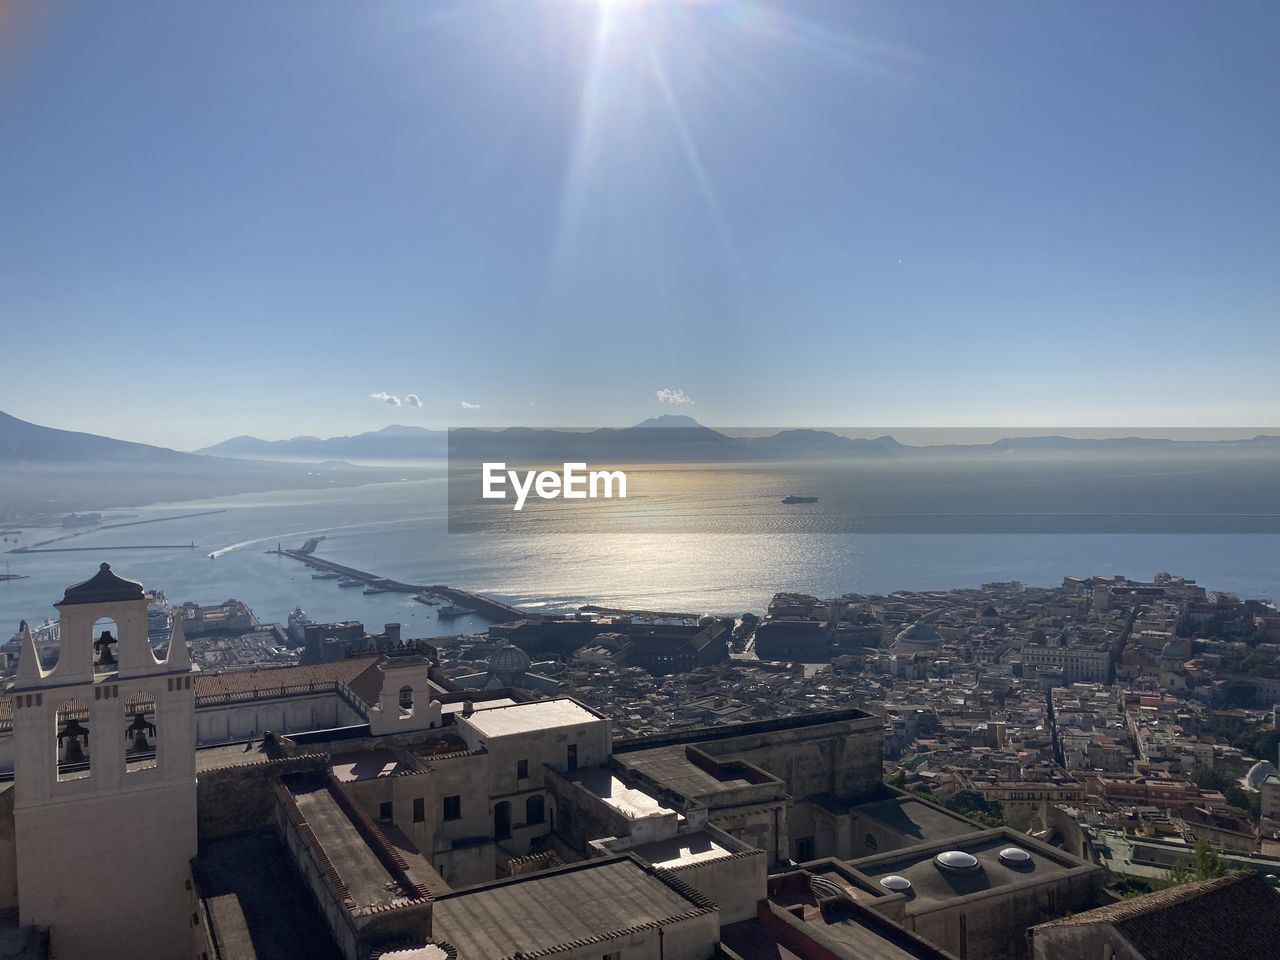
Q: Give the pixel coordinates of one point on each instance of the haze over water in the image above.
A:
(399, 530)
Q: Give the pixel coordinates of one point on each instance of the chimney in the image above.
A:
(468, 708)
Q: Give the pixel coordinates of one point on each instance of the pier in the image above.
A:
(489, 609)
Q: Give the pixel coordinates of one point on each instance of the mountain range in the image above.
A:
(679, 438)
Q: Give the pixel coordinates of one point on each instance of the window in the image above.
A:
(453, 808)
(573, 757)
(384, 811)
(534, 809)
(804, 849)
(870, 842)
(419, 810)
(522, 769)
(406, 701)
(616, 955)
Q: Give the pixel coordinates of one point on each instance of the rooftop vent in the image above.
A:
(895, 883)
(1015, 857)
(956, 861)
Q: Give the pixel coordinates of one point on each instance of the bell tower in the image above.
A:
(104, 780)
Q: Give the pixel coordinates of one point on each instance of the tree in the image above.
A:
(1206, 864)
(972, 804)
(1019, 818)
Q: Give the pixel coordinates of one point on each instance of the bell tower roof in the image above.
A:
(103, 587)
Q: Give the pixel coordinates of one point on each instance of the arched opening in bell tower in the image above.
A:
(106, 649)
(71, 741)
(140, 744)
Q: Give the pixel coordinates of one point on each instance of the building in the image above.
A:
(1236, 916)
(104, 797)
(460, 825)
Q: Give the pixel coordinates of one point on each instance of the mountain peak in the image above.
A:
(671, 420)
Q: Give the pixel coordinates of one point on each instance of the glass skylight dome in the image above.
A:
(895, 883)
(957, 861)
(1014, 857)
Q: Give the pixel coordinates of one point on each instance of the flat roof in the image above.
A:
(259, 905)
(681, 851)
(365, 765)
(541, 911)
(932, 887)
(670, 767)
(607, 788)
(366, 879)
(525, 717)
(922, 822)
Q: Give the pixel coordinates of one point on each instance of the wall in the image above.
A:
(235, 799)
(736, 884)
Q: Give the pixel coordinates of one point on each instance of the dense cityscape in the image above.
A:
(802, 778)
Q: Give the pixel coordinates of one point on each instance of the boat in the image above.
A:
(428, 600)
(346, 582)
(298, 622)
(454, 610)
(369, 591)
(795, 499)
(327, 575)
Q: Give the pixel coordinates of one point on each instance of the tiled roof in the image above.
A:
(265, 679)
(1235, 916)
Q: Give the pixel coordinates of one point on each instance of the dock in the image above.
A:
(488, 608)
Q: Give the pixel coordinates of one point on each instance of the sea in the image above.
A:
(400, 530)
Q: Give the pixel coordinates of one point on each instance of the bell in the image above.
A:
(137, 732)
(103, 646)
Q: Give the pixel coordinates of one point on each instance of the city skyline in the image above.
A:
(817, 213)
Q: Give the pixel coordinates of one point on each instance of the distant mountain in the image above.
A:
(395, 442)
(45, 472)
(23, 442)
(670, 420)
(681, 439)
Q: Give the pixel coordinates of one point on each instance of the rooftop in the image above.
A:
(628, 801)
(527, 717)
(919, 821)
(681, 851)
(1235, 916)
(581, 903)
(932, 887)
(671, 767)
(103, 587)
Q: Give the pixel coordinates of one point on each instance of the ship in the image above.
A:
(328, 575)
(795, 499)
(427, 599)
(370, 591)
(346, 582)
(298, 621)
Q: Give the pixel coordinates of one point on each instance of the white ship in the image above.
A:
(298, 621)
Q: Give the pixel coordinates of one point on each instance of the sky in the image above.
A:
(285, 218)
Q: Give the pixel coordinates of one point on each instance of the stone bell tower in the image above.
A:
(104, 780)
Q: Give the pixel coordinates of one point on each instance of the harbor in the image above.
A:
(460, 602)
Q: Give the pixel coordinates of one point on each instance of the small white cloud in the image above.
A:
(674, 398)
(470, 406)
(390, 399)
(411, 400)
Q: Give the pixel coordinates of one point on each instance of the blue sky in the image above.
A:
(249, 217)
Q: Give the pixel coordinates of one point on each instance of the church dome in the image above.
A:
(1259, 772)
(991, 613)
(508, 660)
(919, 635)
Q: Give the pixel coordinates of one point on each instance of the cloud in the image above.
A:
(411, 400)
(674, 398)
(470, 406)
(390, 399)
